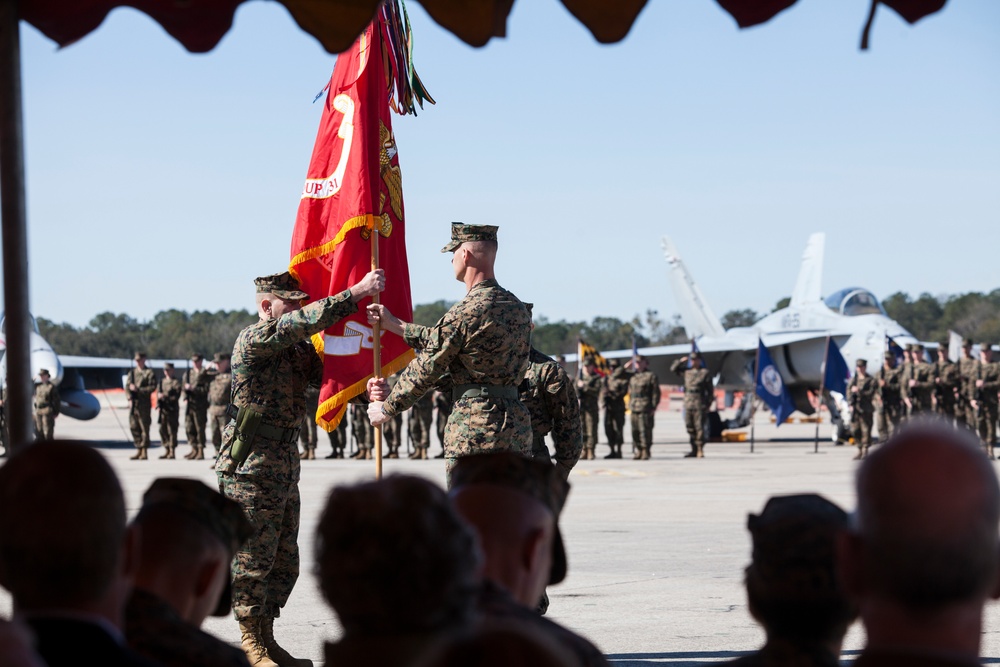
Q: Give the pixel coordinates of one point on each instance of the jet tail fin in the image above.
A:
(810, 280)
(697, 316)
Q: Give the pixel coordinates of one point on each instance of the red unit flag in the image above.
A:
(353, 189)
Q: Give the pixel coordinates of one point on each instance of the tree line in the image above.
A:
(176, 334)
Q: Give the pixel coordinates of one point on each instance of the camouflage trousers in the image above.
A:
(307, 434)
(338, 436)
(265, 569)
(965, 415)
(420, 428)
(861, 425)
(45, 426)
(169, 422)
(694, 421)
(987, 422)
(481, 425)
(642, 430)
(589, 419)
(946, 410)
(217, 419)
(889, 417)
(139, 419)
(614, 424)
(442, 426)
(195, 419)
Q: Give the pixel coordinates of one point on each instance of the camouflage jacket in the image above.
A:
(887, 385)
(273, 363)
(698, 388)
(968, 368)
(198, 381)
(483, 339)
(862, 401)
(153, 629)
(949, 380)
(588, 388)
(548, 394)
(990, 375)
(46, 400)
(615, 388)
(145, 384)
(644, 392)
(168, 395)
(219, 392)
(923, 374)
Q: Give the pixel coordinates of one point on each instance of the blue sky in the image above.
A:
(158, 179)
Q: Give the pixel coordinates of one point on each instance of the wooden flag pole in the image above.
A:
(377, 354)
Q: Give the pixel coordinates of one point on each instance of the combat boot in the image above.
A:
(190, 455)
(360, 454)
(304, 454)
(312, 453)
(701, 452)
(171, 453)
(367, 455)
(645, 454)
(138, 454)
(142, 454)
(199, 453)
(423, 453)
(415, 454)
(253, 644)
(166, 453)
(637, 455)
(393, 454)
(275, 652)
(989, 453)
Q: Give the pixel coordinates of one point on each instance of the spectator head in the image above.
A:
(514, 503)
(63, 539)
(792, 586)
(190, 533)
(393, 557)
(500, 644)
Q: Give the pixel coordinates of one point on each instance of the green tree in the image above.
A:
(739, 318)
(428, 314)
(782, 303)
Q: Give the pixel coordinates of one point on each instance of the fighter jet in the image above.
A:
(795, 336)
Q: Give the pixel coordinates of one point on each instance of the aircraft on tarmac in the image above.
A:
(73, 375)
(795, 336)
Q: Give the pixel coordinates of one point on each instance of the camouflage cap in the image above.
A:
(463, 233)
(222, 516)
(793, 546)
(861, 362)
(536, 479)
(282, 285)
(139, 355)
(43, 371)
(195, 356)
(221, 356)
(169, 365)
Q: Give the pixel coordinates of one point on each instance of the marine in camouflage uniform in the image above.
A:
(986, 399)
(443, 403)
(272, 364)
(947, 381)
(968, 367)
(338, 439)
(421, 422)
(861, 395)
(482, 342)
(698, 397)
(45, 403)
(644, 397)
(196, 381)
(307, 434)
(890, 401)
(588, 388)
(615, 388)
(140, 383)
(219, 391)
(548, 394)
(917, 382)
(162, 621)
(392, 430)
(168, 396)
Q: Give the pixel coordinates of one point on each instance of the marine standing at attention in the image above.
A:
(588, 388)
(46, 404)
(258, 467)
(616, 386)
(219, 391)
(168, 396)
(196, 380)
(482, 341)
(890, 403)
(140, 383)
(861, 395)
(698, 397)
(644, 397)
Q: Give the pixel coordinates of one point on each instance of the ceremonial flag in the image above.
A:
(353, 189)
(694, 350)
(771, 386)
(836, 373)
(585, 350)
(895, 349)
(955, 341)
(635, 348)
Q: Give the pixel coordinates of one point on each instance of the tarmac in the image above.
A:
(656, 548)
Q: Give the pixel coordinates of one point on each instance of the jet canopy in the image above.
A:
(3, 323)
(854, 301)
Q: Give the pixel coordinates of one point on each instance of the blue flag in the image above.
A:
(694, 350)
(771, 387)
(635, 348)
(837, 373)
(895, 349)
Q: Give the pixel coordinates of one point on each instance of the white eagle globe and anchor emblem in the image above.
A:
(771, 380)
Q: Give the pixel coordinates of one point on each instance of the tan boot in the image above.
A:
(423, 454)
(142, 454)
(253, 644)
(138, 454)
(645, 454)
(191, 454)
(367, 455)
(637, 456)
(701, 452)
(304, 455)
(275, 652)
(199, 453)
(312, 454)
(166, 453)
(170, 453)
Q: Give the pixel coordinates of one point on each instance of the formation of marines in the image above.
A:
(964, 394)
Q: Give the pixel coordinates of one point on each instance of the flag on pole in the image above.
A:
(895, 349)
(694, 350)
(836, 374)
(584, 350)
(635, 348)
(955, 341)
(353, 189)
(771, 386)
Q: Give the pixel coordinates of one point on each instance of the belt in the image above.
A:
(484, 391)
(268, 431)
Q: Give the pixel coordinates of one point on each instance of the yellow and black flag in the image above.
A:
(585, 351)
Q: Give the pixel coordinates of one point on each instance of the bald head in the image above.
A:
(928, 510)
(62, 526)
